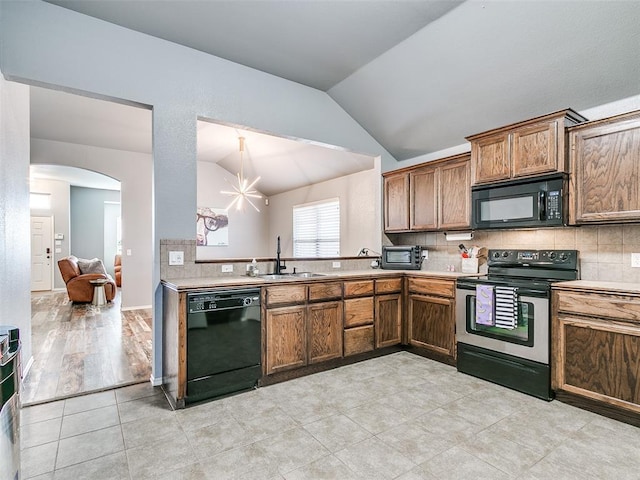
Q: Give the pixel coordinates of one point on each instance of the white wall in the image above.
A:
(59, 192)
(248, 230)
(15, 251)
(48, 45)
(134, 172)
(359, 196)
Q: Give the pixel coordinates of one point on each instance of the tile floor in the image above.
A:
(399, 416)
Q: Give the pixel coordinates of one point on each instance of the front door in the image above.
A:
(41, 253)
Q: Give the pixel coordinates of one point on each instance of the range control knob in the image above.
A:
(505, 254)
(247, 301)
(496, 254)
(552, 255)
(563, 256)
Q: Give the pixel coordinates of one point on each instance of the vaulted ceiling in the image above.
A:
(418, 75)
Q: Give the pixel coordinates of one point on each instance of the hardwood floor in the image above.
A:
(79, 348)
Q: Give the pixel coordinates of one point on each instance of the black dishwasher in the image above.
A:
(223, 343)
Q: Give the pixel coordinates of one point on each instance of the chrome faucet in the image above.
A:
(279, 266)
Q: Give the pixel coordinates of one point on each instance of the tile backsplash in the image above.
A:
(605, 251)
(191, 269)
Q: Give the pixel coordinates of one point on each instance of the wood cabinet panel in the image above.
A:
(454, 195)
(528, 148)
(325, 291)
(396, 203)
(325, 331)
(358, 288)
(358, 340)
(358, 311)
(432, 286)
(606, 362)
(620, 307)
(534, 149)
(605, 167)
(490, 161)
(388, 320)
(431, 324)
(437, 196)
(423, 198)
(286, 338)
(286, 294)
(388, 285)
(596, 351)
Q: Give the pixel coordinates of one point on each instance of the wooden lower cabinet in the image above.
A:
(358, 340)
(286, 338)
(388, 320)
(324, 322)
(431, 324)
(430, 317)
(596, 352)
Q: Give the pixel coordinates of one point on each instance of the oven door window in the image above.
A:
(522, 334)
(398, 256)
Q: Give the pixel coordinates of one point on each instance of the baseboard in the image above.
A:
(141, 307)
(156, 382)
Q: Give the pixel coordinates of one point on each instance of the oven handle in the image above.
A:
(522, 291)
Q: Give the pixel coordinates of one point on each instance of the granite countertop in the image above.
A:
(598, 286)
(242, 280)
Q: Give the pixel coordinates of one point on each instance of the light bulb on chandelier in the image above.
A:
(244, 191)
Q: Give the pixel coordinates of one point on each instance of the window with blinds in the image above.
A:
(316, 229)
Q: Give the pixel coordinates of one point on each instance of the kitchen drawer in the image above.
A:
(358, 340)
(358, 288)
(358, 311)
(618, 307)
(432, 286)
(388, 285)
(325, 291)
(285, 294)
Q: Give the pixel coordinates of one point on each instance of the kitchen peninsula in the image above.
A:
(313, 324)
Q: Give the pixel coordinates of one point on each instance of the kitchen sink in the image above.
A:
(274, 276)
(285, 276)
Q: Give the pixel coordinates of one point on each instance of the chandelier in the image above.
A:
(244, 191)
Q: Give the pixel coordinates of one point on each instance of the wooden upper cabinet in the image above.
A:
(454, 199)
(534, 149)
(423, 198)
(438, 196)
(396, 202)
(605, 170)
(524, 149)
(490, 156)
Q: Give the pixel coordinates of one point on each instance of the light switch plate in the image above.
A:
(635, 260)
(176, 258)
(227, 268)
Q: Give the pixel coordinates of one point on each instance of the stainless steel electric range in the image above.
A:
(503, 319)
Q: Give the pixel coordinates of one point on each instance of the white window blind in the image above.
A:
(316, 229)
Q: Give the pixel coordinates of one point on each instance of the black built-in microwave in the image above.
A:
(525, 203)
